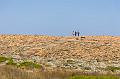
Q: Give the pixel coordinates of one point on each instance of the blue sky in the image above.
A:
(60, 17)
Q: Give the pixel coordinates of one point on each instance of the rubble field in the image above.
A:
(83, 53)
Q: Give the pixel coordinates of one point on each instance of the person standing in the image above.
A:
(73, 33)
(78, 33)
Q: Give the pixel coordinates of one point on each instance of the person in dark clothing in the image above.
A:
(78, 33)
(75, 33)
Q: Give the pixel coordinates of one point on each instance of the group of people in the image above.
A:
(76, 33)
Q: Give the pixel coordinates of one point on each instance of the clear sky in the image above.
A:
(60, 17)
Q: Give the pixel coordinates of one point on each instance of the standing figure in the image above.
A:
(73, 33)
(78, 33)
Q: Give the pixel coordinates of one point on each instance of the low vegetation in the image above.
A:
(11, 62)
(24, 64)
(10, 72)
(29, 64)
(112, 68)
(2, 59)
(95, 77)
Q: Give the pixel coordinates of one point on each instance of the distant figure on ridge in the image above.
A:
(78, 33)
(75, 33)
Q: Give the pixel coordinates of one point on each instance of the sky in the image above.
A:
(60, 17)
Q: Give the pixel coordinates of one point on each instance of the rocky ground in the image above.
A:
(83, 53)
